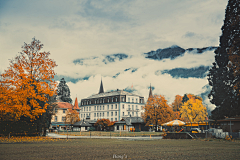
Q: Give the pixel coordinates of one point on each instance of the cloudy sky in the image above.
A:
(84, 28)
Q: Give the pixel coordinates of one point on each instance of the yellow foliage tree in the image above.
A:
(27, 84)
(176, 105)
(157, 111)
(193, 111)
(72, 116)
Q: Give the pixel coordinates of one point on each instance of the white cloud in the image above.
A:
(164, 84)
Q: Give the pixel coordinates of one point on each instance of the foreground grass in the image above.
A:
(107, 148)
(112, 134)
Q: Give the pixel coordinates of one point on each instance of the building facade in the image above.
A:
(58, 119)
(111, 105)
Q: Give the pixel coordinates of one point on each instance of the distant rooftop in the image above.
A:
(113, 93)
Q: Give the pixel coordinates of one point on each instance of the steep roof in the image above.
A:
(64, 105)
(130, 120)
(82, 124)
(101, 88)
(150, 92)
(113, 93)
(76, 104)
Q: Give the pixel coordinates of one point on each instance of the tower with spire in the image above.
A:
(101, 88)
(150, 92)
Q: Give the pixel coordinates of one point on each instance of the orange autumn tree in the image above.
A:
(27, 84)
(72, 116)
(176, 105)
(157, 111)
(103, 123)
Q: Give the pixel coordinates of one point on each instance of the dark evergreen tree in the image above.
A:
(185, 98)
(63, 91)
(220, 77)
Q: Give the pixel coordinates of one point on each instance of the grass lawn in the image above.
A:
(129, 149)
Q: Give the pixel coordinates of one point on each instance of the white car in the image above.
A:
(195, 130)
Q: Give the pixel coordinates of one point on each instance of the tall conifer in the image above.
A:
(221, 77)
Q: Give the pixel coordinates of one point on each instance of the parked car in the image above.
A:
(195, 130)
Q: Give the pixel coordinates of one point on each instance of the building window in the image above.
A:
(132, 113)
(136, 100)
(81, 116)
(132, 100)
(56, 110)
(132, 107)
(128, 99)
(103, 100)
(89, 115)
(94, 114)
(129, 107)
(89, 102)
(89, 108)
(103, 114)
(115, 106)
(55, 118)
(136, 107)
(95, 102)
(108, 114)
(115, 113)
(111, 119)
(94, 108)
(111, 113)
(84, 115)
(111, 106)
(122, 99)
(115, 119)
(136, 114)
(100, 114)
(123, 106)
(97, 114)
(97, 108)
(129, 113)
(100, 100)
(108, 100)
(63, 119)
(102, 107)
(108, 107)
(64, 111)
(112, 99)
(116, 99)
(123, 114)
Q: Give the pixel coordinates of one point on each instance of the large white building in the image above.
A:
(111, 105)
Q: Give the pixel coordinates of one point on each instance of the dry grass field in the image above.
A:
(46, 148)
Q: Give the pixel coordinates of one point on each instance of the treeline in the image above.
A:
(188, 108)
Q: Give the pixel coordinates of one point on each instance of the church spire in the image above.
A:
(101, 88)
(150, 92)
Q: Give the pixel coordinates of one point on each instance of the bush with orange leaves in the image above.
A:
(103, 124)
(72, 116)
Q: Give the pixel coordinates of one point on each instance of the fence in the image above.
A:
(110, 133)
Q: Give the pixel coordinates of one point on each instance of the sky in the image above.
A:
(85, 28)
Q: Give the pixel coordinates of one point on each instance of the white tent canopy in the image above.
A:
(175, 122)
